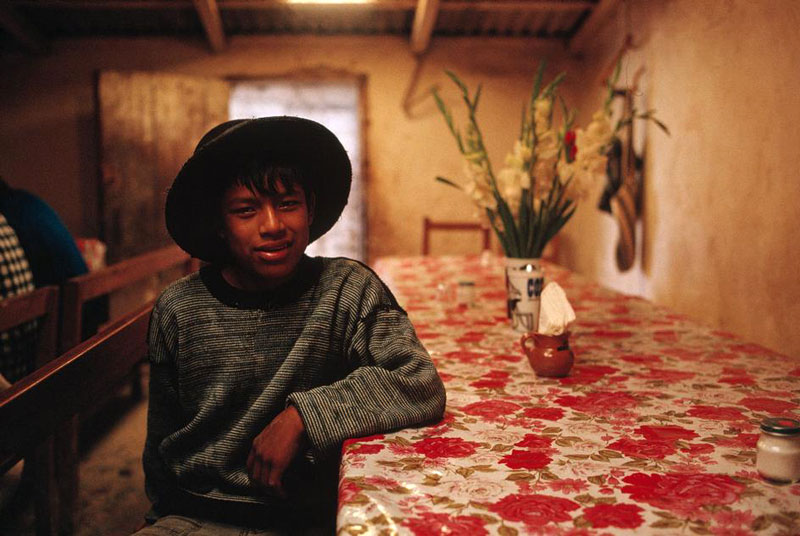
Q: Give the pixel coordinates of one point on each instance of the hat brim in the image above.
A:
(228, 148)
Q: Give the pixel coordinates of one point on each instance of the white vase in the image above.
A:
(524, 282)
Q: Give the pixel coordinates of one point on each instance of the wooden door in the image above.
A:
(149, 125)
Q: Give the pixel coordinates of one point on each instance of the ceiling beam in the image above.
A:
(516, 5)
(208, 11)
(19, 29)
(424, 22)
(447, 5)
(591, 25)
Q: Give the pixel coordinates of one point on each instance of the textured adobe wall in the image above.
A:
(721, 194)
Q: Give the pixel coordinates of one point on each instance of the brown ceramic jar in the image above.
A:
(550, 355)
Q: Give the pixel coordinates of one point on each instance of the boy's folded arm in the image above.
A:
(393, 384)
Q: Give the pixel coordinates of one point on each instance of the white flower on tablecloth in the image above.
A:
(585, 429)
(503, 437)
(483, 458)
(457, 400)
(474, 490)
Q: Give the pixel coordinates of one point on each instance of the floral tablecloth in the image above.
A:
(653, 431)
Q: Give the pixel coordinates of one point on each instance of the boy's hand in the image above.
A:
(275, 447)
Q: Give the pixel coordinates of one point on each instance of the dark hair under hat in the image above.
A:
(228, 149)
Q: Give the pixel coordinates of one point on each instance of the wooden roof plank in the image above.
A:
(424, 22)
(515, 5)
(208, 11)
(19, 28)
(592, 24)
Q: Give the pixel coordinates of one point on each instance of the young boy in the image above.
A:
(266, 360)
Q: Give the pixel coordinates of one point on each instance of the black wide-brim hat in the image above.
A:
(234, 146)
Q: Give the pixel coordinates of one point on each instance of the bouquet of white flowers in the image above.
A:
(551, 165)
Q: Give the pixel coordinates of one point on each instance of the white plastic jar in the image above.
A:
(778, 454)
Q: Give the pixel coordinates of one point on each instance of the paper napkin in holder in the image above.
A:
(555, 313)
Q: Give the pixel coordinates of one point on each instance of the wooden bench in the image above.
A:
(52, 396)
(41, 305)
(79, 290)
(75, 293)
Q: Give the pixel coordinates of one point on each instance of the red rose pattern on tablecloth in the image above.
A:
(653, 432)
(545, 414)
(366, 449)
(599, 403)
(491, 409)
(534, 509)
(445, 447)
(430, 524)
(644, 448)
(716, 413)
(768, 405)
(624, 516)
(526, 459)
(665, 433)
(683, 493)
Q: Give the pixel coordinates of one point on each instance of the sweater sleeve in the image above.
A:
(163, 411)
(394, 384)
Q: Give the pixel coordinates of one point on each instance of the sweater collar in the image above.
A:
(307, 273)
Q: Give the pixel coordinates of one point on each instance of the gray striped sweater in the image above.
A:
(224, 362)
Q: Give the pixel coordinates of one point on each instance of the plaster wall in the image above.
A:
(48, 125)
(721, 193)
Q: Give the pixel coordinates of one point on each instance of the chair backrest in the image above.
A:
(429, 226)
(78, 290)
(37, 404)
(41, 304)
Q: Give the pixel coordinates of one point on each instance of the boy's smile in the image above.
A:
(266, 234)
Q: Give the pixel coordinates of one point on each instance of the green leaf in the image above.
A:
(660, 125)
(761, 522)
(456, 80)
(504, 530)
(522, 122)
(508, 225)
(667, 524)
(500, 236)
(448, 182)
(537, 81)
(448, 117)
(519, 476)
(549, 91)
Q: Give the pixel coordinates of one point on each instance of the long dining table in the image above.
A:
(653, 431)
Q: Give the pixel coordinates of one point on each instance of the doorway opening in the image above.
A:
(337, 105)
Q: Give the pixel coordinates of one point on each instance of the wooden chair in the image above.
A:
(429, 226)
(76, 292)
(54, 394)
(41, 304)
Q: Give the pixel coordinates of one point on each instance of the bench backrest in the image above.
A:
(78, 290)
(36, 405)
(41, 304)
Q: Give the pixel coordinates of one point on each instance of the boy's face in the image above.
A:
(266, 235)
